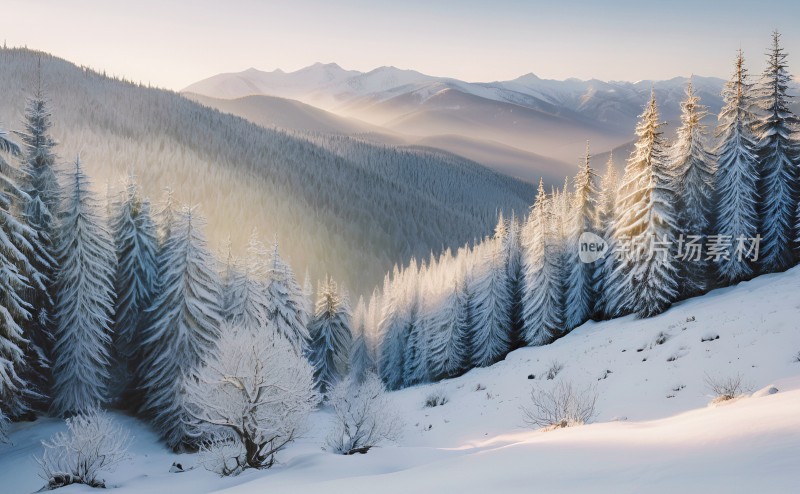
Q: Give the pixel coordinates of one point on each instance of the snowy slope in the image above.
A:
(655, 430)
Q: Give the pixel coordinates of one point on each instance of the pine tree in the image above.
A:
(582, 279)
(286, 306)
(606, 215)
(646, 280)
(542, 298)
(392, 337)
(16, 245)
(448, 344)
(248, 301)
(778, 158)
(694, 168)
(511, 241)
(39, 181)
(491, 340)
(231, 282)
(184, 325)
(331, 336)
(361, 363)
(134, 235)
(736, 178)
(85, 302)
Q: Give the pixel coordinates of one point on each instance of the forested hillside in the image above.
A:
(338, 206)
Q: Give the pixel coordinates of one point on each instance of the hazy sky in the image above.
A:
(174, 43)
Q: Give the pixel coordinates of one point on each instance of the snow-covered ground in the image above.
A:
(655, 430)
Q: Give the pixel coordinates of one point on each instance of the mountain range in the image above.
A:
(527, 127)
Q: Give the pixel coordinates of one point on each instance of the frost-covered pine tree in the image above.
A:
(606, 214)
(511, 240)
(331, 336)
(248, 302)
(15, 248)
(231, 281)
(582, 277)
(693, 167)
(392, 336)
(646, 281)
(134, 233)
(491, 338)
(448, 345)
(286, 306)
(416, 356)
(543, 292)
(361, 363)
(39, 181)
(184, 325)
(737, 173)
(84, 303)
(778, 158)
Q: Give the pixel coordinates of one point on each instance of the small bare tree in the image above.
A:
(363, 416)
(258, 389)
(91, 444)
(727, 388)
(560, 406)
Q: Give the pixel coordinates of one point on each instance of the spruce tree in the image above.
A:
(606, 214)
(184, 321)
(331, 336)
(694, 168)
(491, 340)
(392, 337)
(778, 153)
(134, 233)
(286, 306)
(16, 247)
(361, 363)
(39, 181)
(646, 280)
(448, 344)
(247, 296)
(85, 301)
(736, 178)
(543, 295)
(582, 277)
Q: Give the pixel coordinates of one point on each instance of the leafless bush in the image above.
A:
(436, 398)
(259, 392)
(555, 368)
(560, 406)
(363, 416)
(727, 388)
(91, 444)
(223, 454)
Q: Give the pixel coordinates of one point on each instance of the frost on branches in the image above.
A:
(258, 393)
(363, 416)
(92, 444)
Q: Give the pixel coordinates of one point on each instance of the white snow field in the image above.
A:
(655, 431)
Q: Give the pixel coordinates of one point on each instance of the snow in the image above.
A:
(655, 430)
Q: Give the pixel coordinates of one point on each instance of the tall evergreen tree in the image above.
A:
(736, 178)
(361, 363)
(582, 277)
(778, 158)
(85, 301)
(392, 337)
(606, 214)
(448, 344)
(247, 297)
(694, 168)
(40, 183)
(647, 278)
(16, 247)
(134, 235)
(543, 296)
(184, 325)
(491, 339)
(286, 306)
(331, 336)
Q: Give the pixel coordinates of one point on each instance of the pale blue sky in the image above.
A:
(173, 43)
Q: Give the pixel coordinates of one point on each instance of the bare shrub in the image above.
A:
(555, 368)
(436, 398)
(260, 392)
(363, 416)
(727, 388)
(560, 406)
(92, 443)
